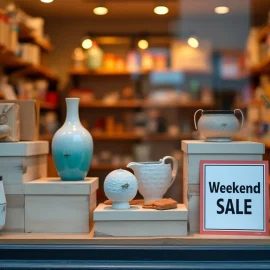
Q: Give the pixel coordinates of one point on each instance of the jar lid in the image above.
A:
(218, 112)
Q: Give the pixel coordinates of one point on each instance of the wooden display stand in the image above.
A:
(55, 206)
(20, 162)
(138, 221)
(194, 152)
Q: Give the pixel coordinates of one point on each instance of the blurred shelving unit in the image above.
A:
(14, 64)
(18, 68)
(256, 110)
(97, 107)
(26, 34)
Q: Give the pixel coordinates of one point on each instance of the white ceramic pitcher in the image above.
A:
(154, 178)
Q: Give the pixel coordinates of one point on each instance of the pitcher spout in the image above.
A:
(133, 165)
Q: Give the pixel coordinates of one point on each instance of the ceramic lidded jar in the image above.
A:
(120, 187)
(217, 125)
(72, 145)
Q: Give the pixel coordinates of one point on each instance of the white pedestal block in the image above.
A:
(194, 152)
(138, 221)
(15, 213)
(55, 206)
(22, 162)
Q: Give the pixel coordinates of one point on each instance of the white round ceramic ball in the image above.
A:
(120, 187)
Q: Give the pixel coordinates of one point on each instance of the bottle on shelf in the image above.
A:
(94, 57)
(4, 30)
(78, 58)
(268, 38)
(13, 32)
(253, 48)
(133, 61)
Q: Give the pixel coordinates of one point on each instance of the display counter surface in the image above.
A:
(88, 239)
(32, 251)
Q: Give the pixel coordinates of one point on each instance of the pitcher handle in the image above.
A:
(200, 110)
(242, 121)
(174, 168)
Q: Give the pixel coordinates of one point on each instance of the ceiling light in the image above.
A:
(143, 44)
(193, 42)
(87, 43)
(222, 10)
(46, 1)
(100, 10)
(161, 10)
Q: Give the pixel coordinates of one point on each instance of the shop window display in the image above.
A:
(101, 141)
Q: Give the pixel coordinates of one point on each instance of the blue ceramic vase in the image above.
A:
(72, 145)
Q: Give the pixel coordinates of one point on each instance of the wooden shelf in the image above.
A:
(24, 30)
(46, 105)
(36, 71)
(176, 104)
(167, 137)
(263, 67)
(243, 138)
(120, 136)
(186, 72)
(263, 33)
(129, 136)
(122, 104)
(86, 72)
(7, 59)
(23, 68)
(26, 35)
(107, 167)
(46, 137)
(265, 142)
(253, 103)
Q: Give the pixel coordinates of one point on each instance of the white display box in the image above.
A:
(194, 152)
(55, 206)
(15, 213)
(22, 162)
(138, 221)
(193, 206)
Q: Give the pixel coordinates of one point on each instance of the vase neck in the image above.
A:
(72, 110)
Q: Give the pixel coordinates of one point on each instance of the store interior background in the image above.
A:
(143, 112)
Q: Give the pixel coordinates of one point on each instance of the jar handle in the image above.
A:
(242, 121)
(174, 168)
(200, 110)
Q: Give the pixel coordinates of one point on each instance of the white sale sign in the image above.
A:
(234, 197)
